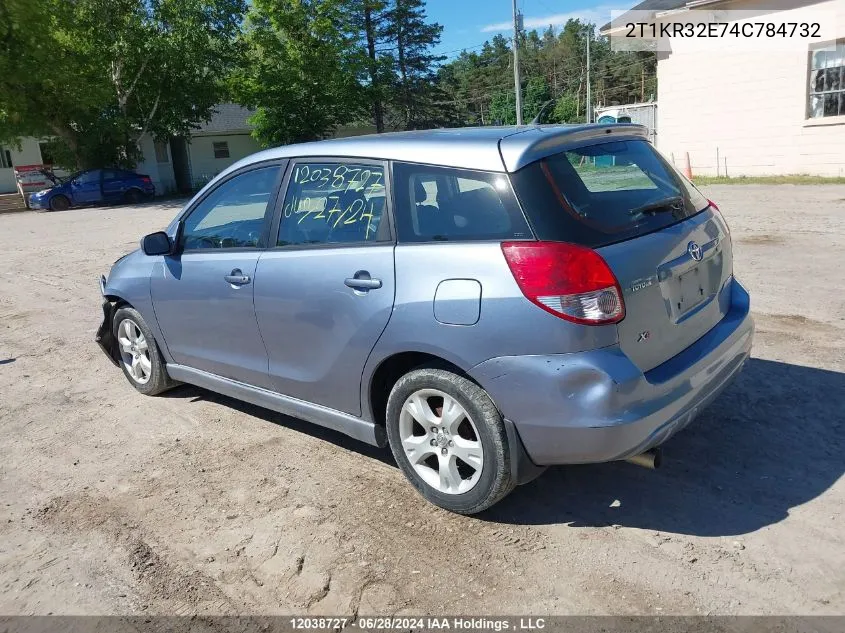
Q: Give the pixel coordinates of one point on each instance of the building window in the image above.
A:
(827, 80)
(5, 158)
(161, 152)
(221, 149)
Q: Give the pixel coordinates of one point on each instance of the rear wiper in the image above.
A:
(664, 204)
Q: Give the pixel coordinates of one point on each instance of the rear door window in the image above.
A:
(445, 204)
(605, 193)
(334, 203)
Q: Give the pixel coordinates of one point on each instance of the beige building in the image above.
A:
(761, 111)
(175, 165)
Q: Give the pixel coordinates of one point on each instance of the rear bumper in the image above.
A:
(598, 406)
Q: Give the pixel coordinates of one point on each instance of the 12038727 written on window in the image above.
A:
(333, 203)
(827, 80)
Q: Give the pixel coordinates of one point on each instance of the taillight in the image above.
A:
(716, 208)
(146, 180)
(570, 281)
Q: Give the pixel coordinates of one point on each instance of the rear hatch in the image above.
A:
(668, 247)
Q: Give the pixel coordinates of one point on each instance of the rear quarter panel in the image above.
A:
(507, 324)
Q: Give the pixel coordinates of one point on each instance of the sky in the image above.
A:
(467, 23)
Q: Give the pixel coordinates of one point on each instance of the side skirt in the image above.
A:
(330, 418)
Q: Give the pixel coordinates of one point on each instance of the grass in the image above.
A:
(795, 179)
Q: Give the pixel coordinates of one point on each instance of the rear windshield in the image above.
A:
(605, 193)
(443, 204)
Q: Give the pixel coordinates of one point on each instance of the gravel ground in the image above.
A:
(111, 502)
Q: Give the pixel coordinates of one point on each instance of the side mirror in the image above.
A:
(157, 243)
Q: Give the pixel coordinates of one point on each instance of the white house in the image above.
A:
(176, 165)
(186, 164)
(762, 108)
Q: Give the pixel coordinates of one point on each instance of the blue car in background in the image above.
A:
(94, 186)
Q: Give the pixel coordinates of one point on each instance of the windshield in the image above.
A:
(605, 193)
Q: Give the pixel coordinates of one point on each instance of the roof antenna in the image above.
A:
(538, 120)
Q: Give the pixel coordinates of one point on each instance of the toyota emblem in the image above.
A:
(694, 251)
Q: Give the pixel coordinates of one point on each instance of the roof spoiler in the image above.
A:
(534, 143)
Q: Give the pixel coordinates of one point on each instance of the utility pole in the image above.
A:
(517, 19)
(642, 91)
(589, 99)
(554, 62)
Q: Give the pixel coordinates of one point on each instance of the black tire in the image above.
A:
(158, 380)
(494, 482)
(133, 196)
(59, 203)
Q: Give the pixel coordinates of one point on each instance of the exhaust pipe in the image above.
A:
(650, 459)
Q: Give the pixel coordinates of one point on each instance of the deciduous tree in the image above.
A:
(99, 74)
(301, 69)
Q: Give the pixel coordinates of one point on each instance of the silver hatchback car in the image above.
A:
(486, 301)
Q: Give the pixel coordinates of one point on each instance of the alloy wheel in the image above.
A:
(134, 351)
(441, 441)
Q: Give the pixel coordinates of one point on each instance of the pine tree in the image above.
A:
(370, 18)
(553, 65)
(415, 93)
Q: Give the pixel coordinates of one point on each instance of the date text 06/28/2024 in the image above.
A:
(459, 623)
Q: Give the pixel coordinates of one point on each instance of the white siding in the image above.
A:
(201, 150)
(751, 106)
(28, 154)
(160, 173)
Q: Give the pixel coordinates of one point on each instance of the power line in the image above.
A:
(570, 71)
(492, 91)
(577, 67)
(464, 49)
(574, 63)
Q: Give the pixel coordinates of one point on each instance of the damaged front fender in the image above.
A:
(105, 335)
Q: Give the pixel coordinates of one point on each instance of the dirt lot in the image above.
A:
(111, 502)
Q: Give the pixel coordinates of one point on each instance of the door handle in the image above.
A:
(363, 284)
(236, 278)
(362, 281)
